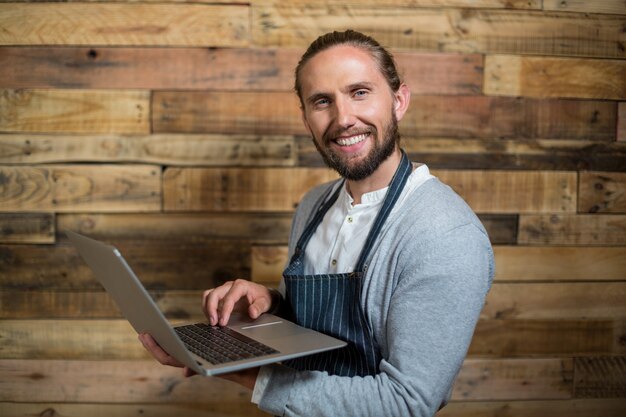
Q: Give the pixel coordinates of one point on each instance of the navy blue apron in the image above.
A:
(330, 303)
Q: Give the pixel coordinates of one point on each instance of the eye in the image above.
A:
(321, 102)
(361, 93)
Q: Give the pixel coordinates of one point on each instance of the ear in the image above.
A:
(402, 98)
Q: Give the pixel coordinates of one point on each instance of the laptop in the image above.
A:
(208, 350)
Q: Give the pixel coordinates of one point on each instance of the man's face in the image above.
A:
(350, 110)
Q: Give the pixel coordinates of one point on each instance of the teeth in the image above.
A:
(351, 140)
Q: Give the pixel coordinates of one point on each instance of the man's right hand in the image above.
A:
(218, 303)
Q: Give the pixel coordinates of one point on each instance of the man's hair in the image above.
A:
(350, 37)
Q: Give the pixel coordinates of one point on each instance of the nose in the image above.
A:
(344, 113)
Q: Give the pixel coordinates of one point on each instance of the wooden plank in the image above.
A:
(599, 300)
(160, 264)
(427, 116)
(197, 228)
(491, 4)
(168, 149)
(27, 228)
(226, 112)
(602, 192)
(219, 69)
(35, 304)
(251, 189)
(241, 408)
(450, 30)
(621, 122)
(66, 188)
(556, 408)
(532, 154)
(564, 229)
(507, 117)
(514, 192)
(116, 382)
(514, 378)
(268, 263)
(279, 189)
(510, 75)
(124, 24)
(600, 377)
(583, 6)
(98, 339)
(75, 111)
(547, 337)
(558, 263)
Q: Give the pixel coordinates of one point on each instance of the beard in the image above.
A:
(350, 168)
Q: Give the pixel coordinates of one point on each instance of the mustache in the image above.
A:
(330, 135)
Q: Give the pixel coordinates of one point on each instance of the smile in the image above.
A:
(351, 140)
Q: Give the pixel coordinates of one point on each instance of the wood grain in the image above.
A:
(168, 149)
(582, 6)
(600, 377)
(34, 228)
(582, 229)
(449, 30)
(148, 382)
(75, 111)
(124, 24)
(621, 122)
(561, 408)
(250, 190)
(66, 188)
(602, 192)
(510, 75)
(157, 263)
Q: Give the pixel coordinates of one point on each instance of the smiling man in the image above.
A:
(388, 258)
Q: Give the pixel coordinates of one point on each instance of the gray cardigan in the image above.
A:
(426, 282)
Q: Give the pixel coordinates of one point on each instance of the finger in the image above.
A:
(238, 290)
(156, 351)
(259, 305)
(211, 301)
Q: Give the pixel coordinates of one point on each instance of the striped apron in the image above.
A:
(330, 303)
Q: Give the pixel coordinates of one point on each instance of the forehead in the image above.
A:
(338, 66)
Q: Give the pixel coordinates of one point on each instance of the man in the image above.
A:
(388, 259)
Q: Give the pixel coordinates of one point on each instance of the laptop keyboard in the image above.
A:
(220, 344)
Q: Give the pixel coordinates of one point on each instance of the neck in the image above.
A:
(379, 178)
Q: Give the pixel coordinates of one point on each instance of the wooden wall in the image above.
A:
(170, 130)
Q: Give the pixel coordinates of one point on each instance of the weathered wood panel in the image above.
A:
(584, 6)
(169, 149)
(216, 409)
(63, 188)
(500, 379)
(222, 69)
(543, 337)
(267, 264)
(159, 264)
(226, 112)
(450, 30)
(148, 382)
(27, 228)
(124, 24)
(621, 122)
(563, 229)
(510, 75)
(556, 301)
(115, 339)
(602, 192)
(533, 154)
(196, 228)
(427, 116)
(36, 304)
(269, 189)
(555, 408)
(250, 189)
(600, 377)
(558, 263)
(75, 111)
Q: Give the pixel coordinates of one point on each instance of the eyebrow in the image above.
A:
(351, 87)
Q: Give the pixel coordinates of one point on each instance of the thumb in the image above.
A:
(258, 307)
